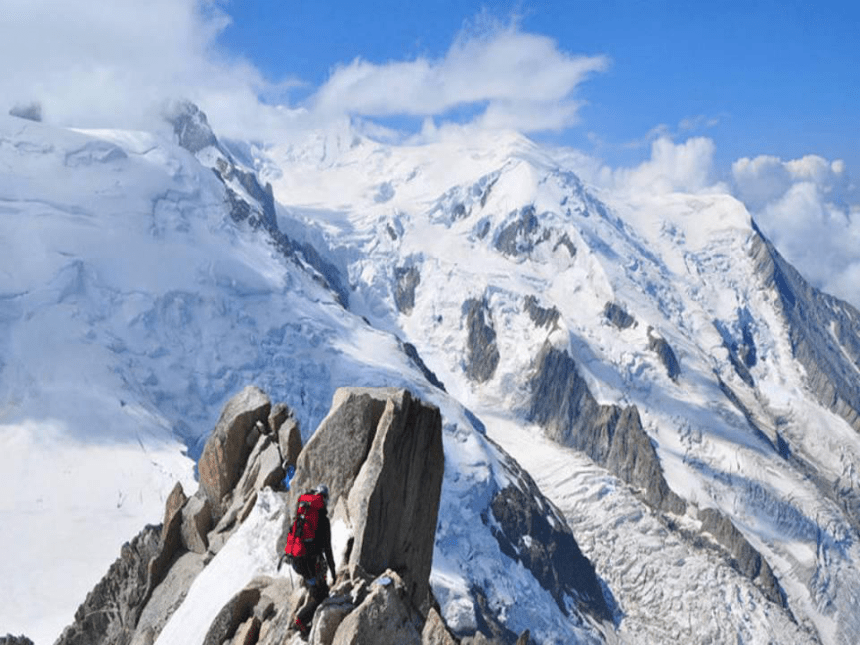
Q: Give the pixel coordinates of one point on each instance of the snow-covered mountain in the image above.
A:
(669, 381)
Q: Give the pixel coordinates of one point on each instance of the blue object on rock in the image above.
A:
(291, 471)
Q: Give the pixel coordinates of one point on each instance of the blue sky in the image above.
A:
(778, 78)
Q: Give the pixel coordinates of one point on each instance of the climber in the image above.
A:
(308, 550)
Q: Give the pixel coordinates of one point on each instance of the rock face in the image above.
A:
(406, 280)
(190, 126)
(815, 321)
(547, 548)
(612, 436)
(131, 603)
(483, 353)
(618, 316)
(380, 453)
(746, 558)
(416, 359)
(111, 610)
(522, 234)
(541, 316)
(227, 450)
(667, 356)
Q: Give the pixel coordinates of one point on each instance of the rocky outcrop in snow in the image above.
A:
(380, 452)
(541, 316)
(532, 532)
(190, 126)
(31, 112)
(406, 280)
(612, 436)
(746, 558)
(483, 352)
(667, 356)
(618, 316)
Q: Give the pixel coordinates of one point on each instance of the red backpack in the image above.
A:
(304, 529)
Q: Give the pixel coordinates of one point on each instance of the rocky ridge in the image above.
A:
(380, 452)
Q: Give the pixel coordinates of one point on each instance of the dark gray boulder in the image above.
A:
(541, 316)
(666, 355)
(618, 316)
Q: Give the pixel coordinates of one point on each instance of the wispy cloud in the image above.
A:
(684, 128)
(510, 78)
(113, 64)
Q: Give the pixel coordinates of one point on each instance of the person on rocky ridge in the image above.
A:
(308, 550)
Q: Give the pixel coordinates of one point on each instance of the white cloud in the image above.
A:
(113, 64)
(512, 79)
(765, 178)
(684, 167)
(808, 208)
